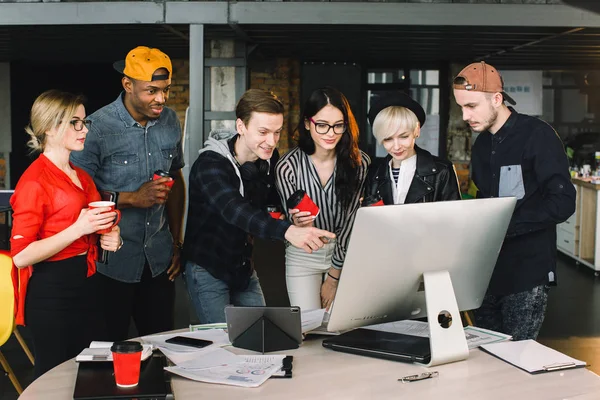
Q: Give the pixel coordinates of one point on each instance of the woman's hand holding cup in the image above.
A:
(105, 213)
(301, 218)
(89, 221)
(302, 209)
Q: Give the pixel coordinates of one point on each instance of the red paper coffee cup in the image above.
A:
(127, 358)
(112, 205)
(274, 211)
(162, 174)
(301, 201)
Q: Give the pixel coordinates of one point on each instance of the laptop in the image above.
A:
(96, 381)
(386, 345)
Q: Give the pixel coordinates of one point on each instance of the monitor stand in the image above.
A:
(447, 344)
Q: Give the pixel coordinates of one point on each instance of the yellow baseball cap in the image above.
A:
(142, 62)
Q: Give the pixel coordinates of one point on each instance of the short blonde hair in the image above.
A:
(393, 119)
(49, 111)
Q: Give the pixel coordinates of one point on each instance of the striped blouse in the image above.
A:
(296, 171)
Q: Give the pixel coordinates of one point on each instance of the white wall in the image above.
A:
(5, 125)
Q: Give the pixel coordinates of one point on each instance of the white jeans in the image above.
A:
(304, 275)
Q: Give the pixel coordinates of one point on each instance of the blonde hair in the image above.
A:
(392, 120)
(48, 112)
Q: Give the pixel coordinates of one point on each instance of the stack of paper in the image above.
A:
(179, 353)
(213, 364)
(312, 319)
(100, 351)
(222, 367)
(204, 327)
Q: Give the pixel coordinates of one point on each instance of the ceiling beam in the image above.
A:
(532, 43)
(81, 13)
(313, 13)
(425, 14)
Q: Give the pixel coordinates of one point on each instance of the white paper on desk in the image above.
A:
(311, 319)
(264, 359)
(203, 327)
(177, 357)
(212, 358)
(532, 356)
(217, 336)
(478, 336)
(240, 374)
(475, 336)
(100, 351)
(407, 327)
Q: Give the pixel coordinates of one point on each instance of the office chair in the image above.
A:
(7, 317)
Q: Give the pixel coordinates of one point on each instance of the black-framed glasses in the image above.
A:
(322, 128)
(78, 124)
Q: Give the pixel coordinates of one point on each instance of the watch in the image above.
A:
(178, 244)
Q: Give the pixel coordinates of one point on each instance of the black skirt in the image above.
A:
(62, 311)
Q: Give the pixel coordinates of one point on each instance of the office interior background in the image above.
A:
(547, 50)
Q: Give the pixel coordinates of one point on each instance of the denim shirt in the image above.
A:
(120, 155)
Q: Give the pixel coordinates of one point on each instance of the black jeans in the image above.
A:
(520, 314)
(61, 311)
(149, 302)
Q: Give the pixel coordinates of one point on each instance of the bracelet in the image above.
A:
(120, 244)
(178, 245)
(332, 277)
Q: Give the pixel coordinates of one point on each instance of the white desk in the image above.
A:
(319, 373)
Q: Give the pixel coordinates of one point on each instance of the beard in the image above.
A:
(488, 122)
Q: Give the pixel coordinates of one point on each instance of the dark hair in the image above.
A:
(459, 80)
(256, 100)
(347, 152)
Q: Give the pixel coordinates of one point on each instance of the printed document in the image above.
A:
(250, 371)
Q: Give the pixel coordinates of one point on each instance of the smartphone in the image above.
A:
(187, 341)
(108, 195)
(105, 195)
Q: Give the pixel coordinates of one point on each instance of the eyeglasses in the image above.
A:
(78, 124)
(323, 128)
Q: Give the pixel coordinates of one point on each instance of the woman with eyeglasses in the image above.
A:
(328, 166)
(53, 240)
(409, 174)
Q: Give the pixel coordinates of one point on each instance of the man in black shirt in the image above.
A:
(231, 185)
(521, 156)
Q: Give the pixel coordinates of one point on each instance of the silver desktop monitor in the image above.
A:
(391, 247)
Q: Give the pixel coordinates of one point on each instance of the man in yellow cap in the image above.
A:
(131, 139)
(516, 155)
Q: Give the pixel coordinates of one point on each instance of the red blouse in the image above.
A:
(46, 202)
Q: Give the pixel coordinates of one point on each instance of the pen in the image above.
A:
(419, 377)
(554, 367)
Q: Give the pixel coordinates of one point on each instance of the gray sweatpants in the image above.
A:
(519, 315)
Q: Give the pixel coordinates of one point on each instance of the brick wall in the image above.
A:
(179, 97)
(282, 77)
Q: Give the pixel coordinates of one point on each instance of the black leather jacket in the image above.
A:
(434, 180)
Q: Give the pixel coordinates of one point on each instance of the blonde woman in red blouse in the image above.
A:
(53, 241)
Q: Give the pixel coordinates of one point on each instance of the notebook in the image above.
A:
(96, 381)
(100, 351)
(379, 344)
(532, 356)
